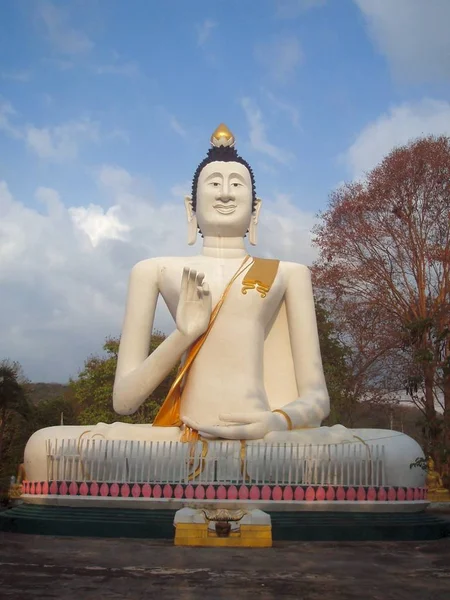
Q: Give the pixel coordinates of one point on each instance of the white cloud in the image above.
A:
(204, 31)
(396, 127)
(7, 114)
(280, 56)
(114, 178)
(64, 38)
(127, 69)
(20, 76)
(58, 143)
(180, 190)
(64, 270)
(98, 224)
(288, 109)
(176, 126)
(412, 34)
(60, 63)
(62, 142)
(285, 231)
(258, 135)
(290, 9)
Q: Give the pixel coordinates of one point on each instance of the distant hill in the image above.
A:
(45, 391)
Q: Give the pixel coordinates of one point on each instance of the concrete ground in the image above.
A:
(33, 567)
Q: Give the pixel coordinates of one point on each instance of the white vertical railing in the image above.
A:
(215, 462)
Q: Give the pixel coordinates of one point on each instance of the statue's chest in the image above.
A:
(241, 298)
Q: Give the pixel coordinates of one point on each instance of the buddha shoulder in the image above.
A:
(294, 270)
(150, 266)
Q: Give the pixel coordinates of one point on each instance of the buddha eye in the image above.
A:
(235, 184)
(215, 183)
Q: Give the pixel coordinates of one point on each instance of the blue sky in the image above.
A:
(106, 108)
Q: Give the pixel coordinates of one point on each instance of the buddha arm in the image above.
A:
(312, 404)
(138, 374)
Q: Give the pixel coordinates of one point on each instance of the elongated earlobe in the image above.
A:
(192, 221)
(252, 237)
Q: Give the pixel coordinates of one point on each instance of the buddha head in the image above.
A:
(223, 201)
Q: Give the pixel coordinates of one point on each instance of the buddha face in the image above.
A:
(224, 199)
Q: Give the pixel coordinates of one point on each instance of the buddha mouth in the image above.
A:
(225, 209)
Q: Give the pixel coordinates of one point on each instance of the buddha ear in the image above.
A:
(254, 222)
(192, 221)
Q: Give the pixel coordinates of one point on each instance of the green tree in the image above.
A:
(56, 410)
(13, 398)
(93, 388)
(335, 355)
(15, 418)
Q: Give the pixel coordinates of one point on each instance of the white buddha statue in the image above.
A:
(245, 330)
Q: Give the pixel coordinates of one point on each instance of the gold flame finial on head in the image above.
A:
(222, 136)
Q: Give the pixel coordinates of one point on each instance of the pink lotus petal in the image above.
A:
(401, 495)
(320, 494)
(104, 489)
(136, 490)
(178, 492)
(167, 491)
(331, 494)
(63, 488)
(243, 492)
(382, 496)
(255, 494)
(125, 490)
(38, 488)
(53, 488)
(210, 492)
(392, 494)
(299, 494)
(199, 492)
(189, 492)
(310, 494)
(146, 490)
(371, 494)
(221, 492)
(45, 488)
(416, 494)
(84, 490)
(351, 494)
(157, 491)
(288, 493)
(73, 489)
(266, 492)
(410, 494)
(361, 494)
(277, 493)
(114, 490)
(94, 489)
(32, 488)
(232, 493)
(340, 494)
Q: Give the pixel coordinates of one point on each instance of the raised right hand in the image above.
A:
(194, 305)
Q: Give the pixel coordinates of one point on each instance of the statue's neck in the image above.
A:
(224, 247)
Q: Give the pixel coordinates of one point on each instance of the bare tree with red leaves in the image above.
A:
(384, 269)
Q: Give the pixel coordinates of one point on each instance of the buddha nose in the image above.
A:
(225, 194)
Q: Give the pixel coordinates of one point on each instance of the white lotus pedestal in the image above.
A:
(224, 474)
